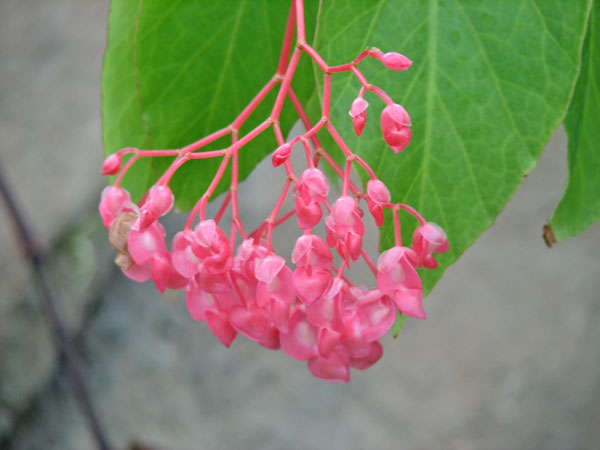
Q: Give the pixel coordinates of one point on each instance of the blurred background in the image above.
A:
(507, 359)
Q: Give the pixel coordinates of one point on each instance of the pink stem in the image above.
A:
(287, 41)
(397, 231)
(338, 139)
(206, 140)
(203, 155)
(326, 94)
(249, 109)
(304, 118)
(363, 163)
(274, 213)
(222, 209)
(411, 211)
(283, 218)
(125, 168)
(347, 176)
(314, 55)
(368, 86)
(369, 261)
(300, 33)
(285, 85)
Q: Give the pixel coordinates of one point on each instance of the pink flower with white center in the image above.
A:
(378, 196)
(376, 313)
(395, 61)
(114, 200)
(143, 245)
(428, 239)
(345, 228)
(358, 112)
(398, 278)
(300, 341)
(395, 126)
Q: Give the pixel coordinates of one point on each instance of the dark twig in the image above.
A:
(62, 339)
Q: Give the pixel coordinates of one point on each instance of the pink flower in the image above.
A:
(345, 228)
(358, 112)
(206, 249)
(378, 195)
(312, 186)
(114, 200)
(395, 126)
(311, 190)
(398, 278)
(282, 154)
(428, 239)
(395, 61)
(311, 251)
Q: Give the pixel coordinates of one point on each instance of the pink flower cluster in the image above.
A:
(235, 281)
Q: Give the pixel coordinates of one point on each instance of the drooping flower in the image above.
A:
(358, 112)
(395, 126)
(398, 278)
(428, 239)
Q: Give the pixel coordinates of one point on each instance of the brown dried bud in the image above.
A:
(124, 261)
(120, 231)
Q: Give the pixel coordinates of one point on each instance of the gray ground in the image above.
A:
(508, 358)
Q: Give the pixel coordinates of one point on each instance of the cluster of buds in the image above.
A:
(236, 282)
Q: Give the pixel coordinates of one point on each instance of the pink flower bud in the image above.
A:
(160, 199)
(395, 126)
(112, 164)
(358, 112)
(282, 154)
(428, 239)
(396, 61)
(378, 192)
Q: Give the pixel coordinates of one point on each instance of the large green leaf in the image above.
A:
(490, 83)
(580, 205)
(175, 71)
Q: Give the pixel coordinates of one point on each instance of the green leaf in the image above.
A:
(489, 85)
(175, 71)
(579, 207)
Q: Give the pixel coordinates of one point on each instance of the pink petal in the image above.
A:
(377, 317)
(139, 273)
(378, 192)
(160, 268)
(271, 338)
(374, 353)
(220, 326)
(252, 323)
(279, 313)
(143, 245)
(206, 231)
(307, 214)
(311, 286)
(409, 302)
(268, 268)
(327, 339)
(301, 340)
(335, 368)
